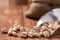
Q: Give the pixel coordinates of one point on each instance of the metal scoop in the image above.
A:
(49, 16)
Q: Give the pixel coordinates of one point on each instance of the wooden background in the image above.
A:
(13, 2)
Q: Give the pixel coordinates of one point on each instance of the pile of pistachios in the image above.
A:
(47, 29)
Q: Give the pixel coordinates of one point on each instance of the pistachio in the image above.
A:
(46, 34)
(14, 34)
(36, 27)
(10, 32)
(24, 34)
(16, 27)
(51, 31)
(24, 29)
(41, 34)
(30, 34)
(4, 31)
(36, 34)
(50, 26)
(43, 28)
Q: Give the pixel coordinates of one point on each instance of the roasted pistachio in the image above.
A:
(4, 31)
(30, 34)
(24, 34)
(46, 34)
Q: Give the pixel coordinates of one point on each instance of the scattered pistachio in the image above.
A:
(4, 31)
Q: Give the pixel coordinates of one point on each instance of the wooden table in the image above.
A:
(15, 14)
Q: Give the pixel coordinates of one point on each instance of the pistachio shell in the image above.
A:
(41, 34)
(14, 34)
(36, 27)
(14, 29)
(4, 31)
(30, 34)
(51, 26)
(43, 28)
(36, 35)
(46, 34)
(24, 34)
(10, 31)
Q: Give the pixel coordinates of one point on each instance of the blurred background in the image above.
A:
(13, 2)
(12, 12)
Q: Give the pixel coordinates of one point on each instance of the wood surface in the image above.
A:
(15, 14)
